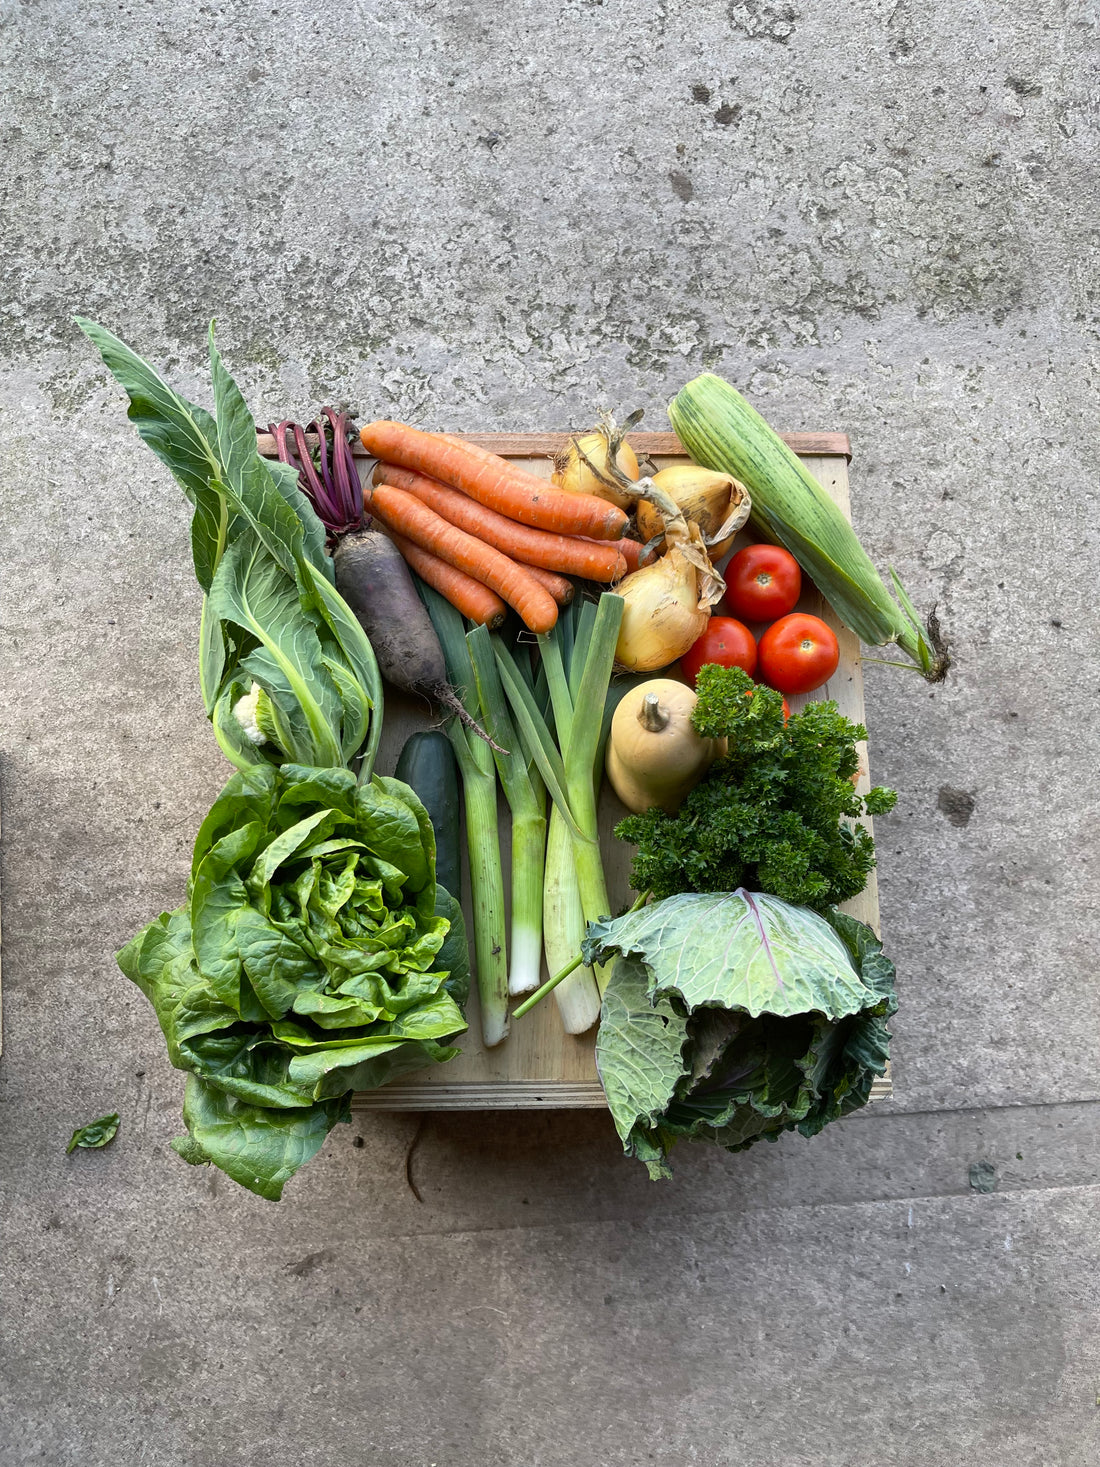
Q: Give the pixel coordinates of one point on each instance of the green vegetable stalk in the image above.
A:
(569, 766)
(526, 796)
(479, 791)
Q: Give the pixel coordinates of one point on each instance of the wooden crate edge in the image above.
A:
(509, 1095)
(661, 445)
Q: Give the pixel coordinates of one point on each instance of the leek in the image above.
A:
(526, 796)
(720, 430)
(577, 996)
(569, 767)
(479, 789)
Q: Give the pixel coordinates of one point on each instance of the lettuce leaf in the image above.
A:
(735, 1016)
(259, 1148)
(95, 1134)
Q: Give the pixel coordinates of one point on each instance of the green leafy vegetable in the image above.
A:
(95, 1134)
(735, 1016)
(259, 1148)
(776, 814)
(184, 437)
(315, 955)
(272, 621)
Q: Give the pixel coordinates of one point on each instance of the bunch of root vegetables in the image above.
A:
(488, 535)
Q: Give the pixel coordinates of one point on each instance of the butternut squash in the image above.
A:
(654, 756)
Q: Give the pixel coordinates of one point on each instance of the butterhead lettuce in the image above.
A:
(315, 955)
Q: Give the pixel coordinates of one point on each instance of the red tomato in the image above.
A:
(798, 654)
(763, 582)
(726, 642)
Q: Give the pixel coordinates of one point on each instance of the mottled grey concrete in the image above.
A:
(876, 217)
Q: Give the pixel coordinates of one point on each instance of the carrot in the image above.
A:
(493, 481)
(416, 522)
(631, 552)
(464, 593)
(596, 560)
(560, 587)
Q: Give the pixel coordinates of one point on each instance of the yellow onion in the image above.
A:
(600, 463)
(718, 504)
(667, 603)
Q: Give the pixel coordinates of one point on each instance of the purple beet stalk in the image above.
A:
(332, 484)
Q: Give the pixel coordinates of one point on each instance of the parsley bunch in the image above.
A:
(774, 815)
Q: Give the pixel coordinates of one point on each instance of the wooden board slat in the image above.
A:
(666, 445)
(515, 1095)
(539, 1066)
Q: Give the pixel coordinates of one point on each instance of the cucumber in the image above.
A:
(427, 765)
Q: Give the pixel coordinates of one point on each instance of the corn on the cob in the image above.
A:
(721, 431)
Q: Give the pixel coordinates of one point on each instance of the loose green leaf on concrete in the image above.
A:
(95, 1134)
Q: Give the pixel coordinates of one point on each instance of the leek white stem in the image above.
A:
(487, 885)
(570, 775)
(577, 996)
(528, 855)
(527, 799)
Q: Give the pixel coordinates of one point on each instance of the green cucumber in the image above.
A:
(427, 765)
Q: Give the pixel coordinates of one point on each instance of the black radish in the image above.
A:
(372, 577)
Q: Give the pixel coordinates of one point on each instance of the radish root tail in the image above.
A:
(451, 701)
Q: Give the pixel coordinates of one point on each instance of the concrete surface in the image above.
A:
(878, 217)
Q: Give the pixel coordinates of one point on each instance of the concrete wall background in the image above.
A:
(879, 217)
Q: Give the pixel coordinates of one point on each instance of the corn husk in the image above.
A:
(720, 430)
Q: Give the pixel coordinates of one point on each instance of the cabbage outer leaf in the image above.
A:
(734, 1017)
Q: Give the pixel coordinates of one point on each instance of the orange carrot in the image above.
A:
(464, 593)
(631, 552)
(560, 587)
(404, 513)
(494, 482)
(596, 560)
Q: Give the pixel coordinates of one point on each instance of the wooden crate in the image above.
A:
(539, 1066)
